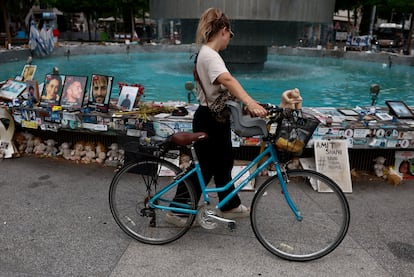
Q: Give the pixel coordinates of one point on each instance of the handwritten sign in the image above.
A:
(332, 160)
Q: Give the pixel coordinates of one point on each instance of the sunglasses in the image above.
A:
(230, 31)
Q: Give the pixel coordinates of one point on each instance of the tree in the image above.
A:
(14, 11)
(93, 9)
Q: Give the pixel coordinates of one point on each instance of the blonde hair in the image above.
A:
(211, 22)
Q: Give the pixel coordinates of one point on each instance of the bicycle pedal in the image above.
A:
(232, 226)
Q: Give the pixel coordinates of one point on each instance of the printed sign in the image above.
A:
(332, 160)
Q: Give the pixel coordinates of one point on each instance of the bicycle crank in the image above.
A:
(208, 219)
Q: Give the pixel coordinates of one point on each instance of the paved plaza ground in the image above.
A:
(55, 221)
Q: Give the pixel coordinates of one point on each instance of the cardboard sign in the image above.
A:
(332, 159)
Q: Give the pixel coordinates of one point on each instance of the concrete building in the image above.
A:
(257, 24)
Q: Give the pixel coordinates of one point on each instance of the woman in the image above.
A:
(215, 153)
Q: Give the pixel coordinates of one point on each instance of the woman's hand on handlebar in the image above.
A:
(256, 109)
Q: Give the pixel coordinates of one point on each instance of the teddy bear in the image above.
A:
(29, 143)
(113, 155)
(39, 147)
(65, 151)
(185, 162)
(379, 166)
(78, 151)
(20, 141)
(89, 153)
(100, 153)
(392, 176)
(51, 150)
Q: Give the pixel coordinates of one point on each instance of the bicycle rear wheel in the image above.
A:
(132, 187)
(325, 216)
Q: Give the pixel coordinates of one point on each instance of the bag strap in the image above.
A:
(197, 78)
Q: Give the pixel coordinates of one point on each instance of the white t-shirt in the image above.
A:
(209, 66)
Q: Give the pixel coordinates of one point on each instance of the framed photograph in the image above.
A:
(52, 90)
(100, 92)
(399, 109)
(348, 112)
(73, 92)
(127, 98)
(28, 72)
(32, 91)
(12, 89)
(383, 116)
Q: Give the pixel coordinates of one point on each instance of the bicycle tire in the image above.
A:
(131, 188)
(325, 216)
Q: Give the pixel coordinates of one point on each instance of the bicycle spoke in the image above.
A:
(325, 217)
(132, 188)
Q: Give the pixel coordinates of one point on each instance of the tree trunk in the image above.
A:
(132, 24)
(88, 21)
(410, 35)
(5, 22)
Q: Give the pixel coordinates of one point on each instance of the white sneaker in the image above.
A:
(238, 212)
(179, 221)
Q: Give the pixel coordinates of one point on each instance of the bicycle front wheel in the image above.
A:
(131, 189)
(324, 216)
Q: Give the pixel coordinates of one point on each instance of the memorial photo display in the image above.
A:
(100, 92)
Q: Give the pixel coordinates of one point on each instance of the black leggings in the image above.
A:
(215, 155)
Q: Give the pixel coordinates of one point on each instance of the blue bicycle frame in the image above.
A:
(270, 156)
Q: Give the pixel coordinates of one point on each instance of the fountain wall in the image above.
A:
(257, 24)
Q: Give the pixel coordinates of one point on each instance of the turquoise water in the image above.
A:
(323, 82)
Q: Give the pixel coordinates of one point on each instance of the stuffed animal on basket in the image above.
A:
(291, 99)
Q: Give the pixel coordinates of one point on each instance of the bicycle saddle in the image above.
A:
(245, 125)
(186, 138)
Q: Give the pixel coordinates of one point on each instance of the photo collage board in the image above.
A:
(70, 91)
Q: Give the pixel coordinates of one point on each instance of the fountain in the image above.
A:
(257, 24)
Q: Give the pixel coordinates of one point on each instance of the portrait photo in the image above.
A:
(73, 92)
(32, 91)
(28, 72)
(100, 92)
(52, 90)
(127, 98)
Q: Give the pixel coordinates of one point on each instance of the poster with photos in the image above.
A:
(28, 72)
(100, 92)
(52, 90)
(73, 92)
(127, 98)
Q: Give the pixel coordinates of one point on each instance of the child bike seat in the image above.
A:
(245, 125)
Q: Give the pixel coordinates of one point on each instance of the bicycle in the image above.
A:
(288, 217)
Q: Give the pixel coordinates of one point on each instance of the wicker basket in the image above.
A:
(293, 133)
